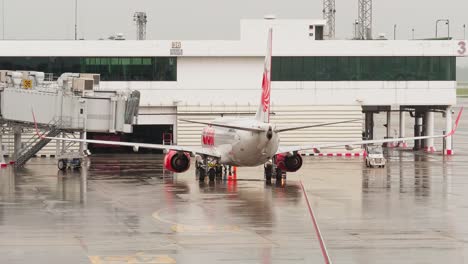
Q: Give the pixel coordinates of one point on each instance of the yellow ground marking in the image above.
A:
(138, 258)
(178, 227)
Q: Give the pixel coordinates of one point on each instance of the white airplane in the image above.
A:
(244, 141)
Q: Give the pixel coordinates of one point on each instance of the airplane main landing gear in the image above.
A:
(212, 174)
(200, 172)
(204, 167)
(219, 171)
(270, 171)
(279, 175)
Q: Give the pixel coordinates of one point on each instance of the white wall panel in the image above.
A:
(284, 116)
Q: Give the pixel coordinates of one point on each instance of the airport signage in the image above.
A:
(176, 45)
(462, 47)
(27, 84)
(176, 49)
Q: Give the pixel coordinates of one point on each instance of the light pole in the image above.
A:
(3, 19)
(464, 31)
(355, 25)
(76, 19)
(447, 22)
(448, 28)
(394, 31)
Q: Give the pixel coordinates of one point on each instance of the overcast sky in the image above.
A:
(217, 19)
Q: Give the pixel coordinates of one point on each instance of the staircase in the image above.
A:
(33, 146)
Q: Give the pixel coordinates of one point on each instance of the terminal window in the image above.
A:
(110, 68)
(364, 68)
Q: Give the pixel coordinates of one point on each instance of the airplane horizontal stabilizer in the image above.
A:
(251, 129)
(316, 125)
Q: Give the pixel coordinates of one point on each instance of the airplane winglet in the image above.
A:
(35, 126)
(456, 123)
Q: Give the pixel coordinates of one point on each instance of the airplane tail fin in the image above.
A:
(263, 112)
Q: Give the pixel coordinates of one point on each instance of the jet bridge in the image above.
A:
(70, 106)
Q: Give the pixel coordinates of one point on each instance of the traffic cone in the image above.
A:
(2, 159)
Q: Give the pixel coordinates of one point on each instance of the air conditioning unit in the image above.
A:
(82, 85)
(3, 76)
(94, 76)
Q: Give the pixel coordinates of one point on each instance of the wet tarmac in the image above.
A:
(125, 209)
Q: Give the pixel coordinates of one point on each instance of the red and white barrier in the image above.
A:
(430, 149)
(402, 145)
(338, 154)
(3, 163)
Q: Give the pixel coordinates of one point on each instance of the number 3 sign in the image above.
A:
(462, 47)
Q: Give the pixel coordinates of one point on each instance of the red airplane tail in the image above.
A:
(263, 112)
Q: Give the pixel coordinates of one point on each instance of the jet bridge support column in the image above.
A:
(16, 142)
(429, 131)
(448, 127)
(389, 130)
(60, 146)
(389, 124)
(369, 125)
(2, 158)
(82, 144)
(424, 130)
(418, 124)
(402, 144)
(63, 144)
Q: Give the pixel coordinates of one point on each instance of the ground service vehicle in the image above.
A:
(375, 157)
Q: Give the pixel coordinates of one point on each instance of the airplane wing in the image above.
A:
(134, 145)
(285, 149)
(316, 125)
(137, 146)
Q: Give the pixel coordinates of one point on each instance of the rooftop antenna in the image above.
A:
(3, 19)
(329, 15)
(365, 19)
(76, 19)
(140, 20)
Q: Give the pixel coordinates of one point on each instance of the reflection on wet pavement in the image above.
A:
(127, 209)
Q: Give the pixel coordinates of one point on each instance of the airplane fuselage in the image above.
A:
(239, 147)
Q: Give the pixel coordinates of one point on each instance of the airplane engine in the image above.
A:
(288, 162)
(177, 161)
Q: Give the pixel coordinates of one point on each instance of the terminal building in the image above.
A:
(314, 80)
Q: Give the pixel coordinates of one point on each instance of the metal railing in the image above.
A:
(35, 143)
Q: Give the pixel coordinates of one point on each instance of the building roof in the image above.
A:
(291, 37)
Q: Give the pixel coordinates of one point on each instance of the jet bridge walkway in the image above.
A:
(71, 106)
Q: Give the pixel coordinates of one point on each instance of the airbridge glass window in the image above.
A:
(363, 69)
(110, 68)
